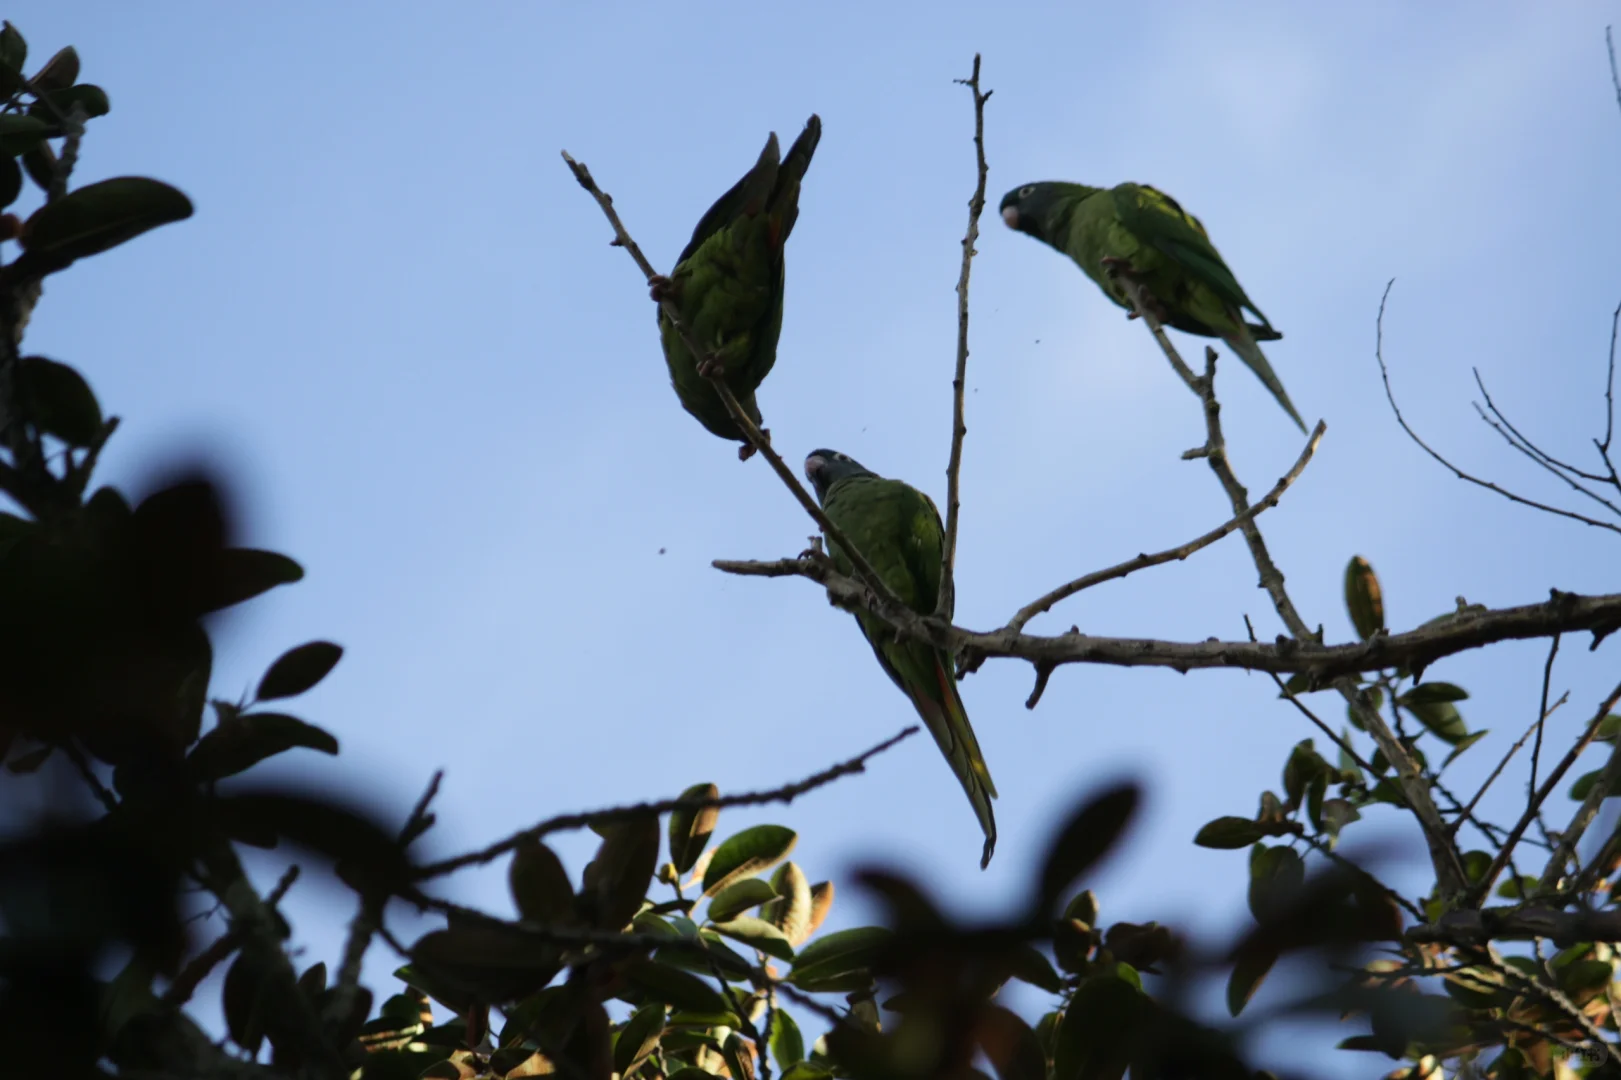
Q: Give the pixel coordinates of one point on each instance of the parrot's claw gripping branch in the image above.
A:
(889, 605)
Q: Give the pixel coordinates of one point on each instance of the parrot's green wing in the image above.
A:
(1159, 220)
(728, 284)
(898, 529)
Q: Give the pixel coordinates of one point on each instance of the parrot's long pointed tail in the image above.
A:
(948, 723)
(1249, 352)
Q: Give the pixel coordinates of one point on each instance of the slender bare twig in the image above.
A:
(785, 794)
(1484, 885)
(369, 916)
(1605, 786)
(945, 602)
(191, 976)
(1615, 77)
(1305, 710)
(1542, 719)
(1176, 554)
(1609, 378)
(622, 238)
(1501, 765)
(1384, 373)
(1515, 438)
(1448, 863)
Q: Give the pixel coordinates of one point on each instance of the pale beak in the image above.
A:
(1011, 216)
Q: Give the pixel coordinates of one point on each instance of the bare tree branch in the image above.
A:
(1501, 765)
(1384, 373)
(758, 441)
(1176, 554)
(1512, 435)
(1564, 613)
(785, 794)
(1542, 720)
(945, 602)
(1483, 887)
(1444, 855)
(1606, 785)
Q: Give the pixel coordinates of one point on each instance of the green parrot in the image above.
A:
(898, 530)
(727, 286)
(1141, 231)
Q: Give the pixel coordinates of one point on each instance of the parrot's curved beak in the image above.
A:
(1010, 215)
(813, 465)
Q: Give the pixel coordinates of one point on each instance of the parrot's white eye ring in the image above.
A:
(1027, 191)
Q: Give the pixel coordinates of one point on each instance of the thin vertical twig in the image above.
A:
(946, 599)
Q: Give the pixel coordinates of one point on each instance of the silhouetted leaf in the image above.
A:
(244, 1002)
(366, 852)
(244, 573)
(1007, 1040)
(674, 987)
(1226, 833)
(237, 744)
(58, 401)
(1088, 834)
(20, 133)
(907, 908)
(638, 1038)
(758, 934)
(1440, 718)
(1584, 784)
(539, 884)
(29, 762)
(618, 877)
(59, 72)
(39, 161)
(804, 1070)
(96, 217)
(298, 669)
(11, 180)
(787, 1044)
(1276, 877)
(1251, 967)
(739, 1060)
(1029, 965)
(746, 854)
(1431, 693)
(13, 52)
(1463, 744)
(1094, 1039)
(1475, 864)
(1519, 888)
(486, 961)
(88, 97)
(841, 953)
(740, 896)
(690, 829)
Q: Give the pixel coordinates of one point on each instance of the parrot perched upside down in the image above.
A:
(728, 287)
(1142, 232)
(897, 528)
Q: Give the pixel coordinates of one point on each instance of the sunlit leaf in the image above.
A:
(749, 852)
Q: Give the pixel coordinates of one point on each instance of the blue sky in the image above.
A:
(397, 322)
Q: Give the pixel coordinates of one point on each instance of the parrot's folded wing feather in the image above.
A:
(1160, 220)
(753, 188)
